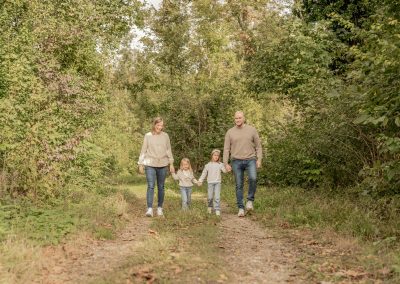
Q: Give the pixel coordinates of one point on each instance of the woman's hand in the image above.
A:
(172, 169)
(141, 169)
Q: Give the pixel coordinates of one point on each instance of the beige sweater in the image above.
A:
(242, 143)
(156, 150)
(213, 172)
(186, 178)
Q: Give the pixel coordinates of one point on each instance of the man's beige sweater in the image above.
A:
(242, 143)
(156, 150)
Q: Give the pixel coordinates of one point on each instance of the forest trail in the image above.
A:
(253, 255)
(243, 252)
(81, 262)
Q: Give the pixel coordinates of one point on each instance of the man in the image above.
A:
(243, 146)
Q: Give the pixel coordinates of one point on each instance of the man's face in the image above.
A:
(239, 119)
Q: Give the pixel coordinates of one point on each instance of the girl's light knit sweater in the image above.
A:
(213, 172)
(185, 177)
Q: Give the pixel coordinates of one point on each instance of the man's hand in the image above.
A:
(258, 163)
(141, 169)
(228, 167)
(172, 169)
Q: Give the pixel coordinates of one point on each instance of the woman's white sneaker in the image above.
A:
(217, 212)
(241, 212)
(160, 211)
(149, 212)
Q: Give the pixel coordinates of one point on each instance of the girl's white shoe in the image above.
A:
(160, 211)
(149, 212)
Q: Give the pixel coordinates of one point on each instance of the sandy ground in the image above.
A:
(250, 254)
(253, 255)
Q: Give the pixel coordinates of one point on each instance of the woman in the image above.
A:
(154, 159)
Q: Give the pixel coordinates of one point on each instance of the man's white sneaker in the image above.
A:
(249, 206)
(217, 212)
(149, 212)
(241, 213)
(159, 211)
(209, 210)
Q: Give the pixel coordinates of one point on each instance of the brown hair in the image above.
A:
(156, 120)
(187, 161)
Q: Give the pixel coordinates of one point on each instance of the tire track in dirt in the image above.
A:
(253, 255)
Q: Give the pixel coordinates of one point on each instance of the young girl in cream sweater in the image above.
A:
(186, 180)
(213, 171)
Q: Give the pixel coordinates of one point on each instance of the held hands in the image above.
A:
(228, 168)
(171, 169)
(199, 183)
(141, 169)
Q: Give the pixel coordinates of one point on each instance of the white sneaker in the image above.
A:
(241, 212)
(249, 206)
(217, 212)
(159, 211)
(209, 210)
(149, 212)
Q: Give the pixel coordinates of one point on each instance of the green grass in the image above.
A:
(99, 213)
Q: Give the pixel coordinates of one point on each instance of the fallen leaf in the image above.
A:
(152, 232)
(385, 271)
(354, 274)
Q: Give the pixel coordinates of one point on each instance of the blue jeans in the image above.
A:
(214, 193)
(186, 194)
(154, 174)
(239, 167)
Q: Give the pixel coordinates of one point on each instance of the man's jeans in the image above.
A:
(239, 167)
(154, 174)
(186, 194)
(214, 193)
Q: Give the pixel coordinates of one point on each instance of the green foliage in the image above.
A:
(377, 68)
(188, 79)
(53, 86)
(345, 95)
(98, 213)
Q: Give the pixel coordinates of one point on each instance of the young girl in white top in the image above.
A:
(213, 171)
(186, 180)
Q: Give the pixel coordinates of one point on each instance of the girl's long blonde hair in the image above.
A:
(187, 161)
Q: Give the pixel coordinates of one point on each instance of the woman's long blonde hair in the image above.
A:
(187, 161)
(156, 120)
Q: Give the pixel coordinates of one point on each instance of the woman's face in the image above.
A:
(159, 127)
(215, 157)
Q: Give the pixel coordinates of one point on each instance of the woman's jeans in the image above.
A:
(239, 167)
(214, 193)
(154, 174)
(186, 194)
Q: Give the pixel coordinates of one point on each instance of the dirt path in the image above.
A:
(253, 255)
(90, 259)
(249, 254)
